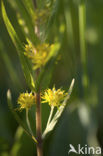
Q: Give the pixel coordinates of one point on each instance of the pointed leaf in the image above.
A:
(20, 49)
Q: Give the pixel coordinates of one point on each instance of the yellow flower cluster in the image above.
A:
(53, 97)
(39, 54)
(26, 100)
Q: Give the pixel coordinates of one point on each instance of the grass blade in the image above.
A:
(82, 24)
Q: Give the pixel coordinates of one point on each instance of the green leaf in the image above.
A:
(82, 24)
(29, 6)
(22, 144)
(10, 68)
(54, 10)
(25, 12)
(18, 44)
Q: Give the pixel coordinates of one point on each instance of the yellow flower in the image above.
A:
(39, 54)
(53, 97)
(26, 100)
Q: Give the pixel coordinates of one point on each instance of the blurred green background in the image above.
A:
(82, 120)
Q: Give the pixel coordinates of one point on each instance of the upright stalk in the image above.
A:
(38, 124)
(38, 105)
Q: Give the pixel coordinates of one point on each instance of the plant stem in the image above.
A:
(51, 113)
(48, 122)
(28, 123)
(38, 125)
(29, 127)
(82, 25)
(38, 105)
(38, 122)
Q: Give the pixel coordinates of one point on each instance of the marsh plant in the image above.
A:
(37, 57)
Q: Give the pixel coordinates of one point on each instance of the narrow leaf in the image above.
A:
(28, 20)
(20, 49)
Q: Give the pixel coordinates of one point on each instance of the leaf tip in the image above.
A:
(71, 86)
(9, 94)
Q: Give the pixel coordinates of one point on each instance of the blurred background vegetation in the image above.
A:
(80, 57)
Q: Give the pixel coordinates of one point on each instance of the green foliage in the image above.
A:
(75, 27)
(24, 10)
(20, 49)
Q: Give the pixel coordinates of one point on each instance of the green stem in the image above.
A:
(50, 116)
(82, 23)
(48, 122)
(28, 124)
(38, 125)
(38, 104)
(38, 121)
